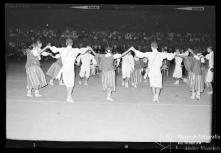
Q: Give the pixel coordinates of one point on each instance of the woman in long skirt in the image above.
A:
(177, 74)
(108, 71)
(204, 70)
(165, 68)
(35, 75)
(54, 70)
(144, 65)
(209, 75)
(197, 82)
(93, 68)
(136, 75)
(127, 69)
(188, 64)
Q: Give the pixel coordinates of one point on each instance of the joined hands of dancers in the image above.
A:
(108, 71)
(108, 75)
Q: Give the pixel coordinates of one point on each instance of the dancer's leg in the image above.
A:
(37, 94)
(153, 93)
(157, 92)
(51, 82)
(109, 92)
(69, 97)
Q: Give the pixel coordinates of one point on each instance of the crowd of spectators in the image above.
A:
(18, 39)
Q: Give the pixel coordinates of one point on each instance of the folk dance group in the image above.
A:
(64, 68)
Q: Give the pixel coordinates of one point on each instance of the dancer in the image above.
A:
(209, 75)
(68, 57)
(85, 60)
(165, 65)
(98, 62)
(177, 74)
(108, 72)
(155, 62)
(127, 69)
(188, 64)
(55, 69)
(35, 75)
(196, 80)
(164, 68)
(117, 66)
(204, 71)
(136, 75)
(93, 66)
(144, 65)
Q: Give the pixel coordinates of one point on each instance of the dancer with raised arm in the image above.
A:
(35, 75)
(85, 68)
(93, 65)
(108, 72)
(136, 78)
(209, 75)
(127, 69)
(155, 62)
(68, 57)
(177, 74)
(196, 80)
(188, 64)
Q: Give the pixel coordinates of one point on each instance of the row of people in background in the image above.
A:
(108, 34)
(19, 38)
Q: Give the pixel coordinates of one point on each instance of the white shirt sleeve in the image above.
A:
(202, 60)
(168, 56)
(185, 54)
(208, 56)
(45, 54)
(57, 56)
(196, 57)
(116, 56)
(82, 50)
(55, 49)
(35, 52)
(140, 54)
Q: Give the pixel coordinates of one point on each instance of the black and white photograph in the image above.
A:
(111, 73)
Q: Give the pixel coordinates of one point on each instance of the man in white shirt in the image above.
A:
(209, 75)
(155, 59)
(127, 69)
(86, 60)
(68, 57)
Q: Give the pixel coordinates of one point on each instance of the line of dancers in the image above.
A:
(64, 68)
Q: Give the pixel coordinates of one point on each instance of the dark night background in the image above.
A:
(140, 17)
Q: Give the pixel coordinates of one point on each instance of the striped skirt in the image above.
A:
(53, 70)
(189, 79)
(197, 83)
(136, 76)
(204, 71)
(108, 80)
(35, 77)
